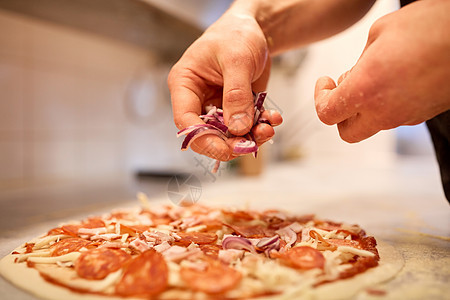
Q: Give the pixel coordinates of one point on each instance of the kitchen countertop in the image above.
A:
(400, 202)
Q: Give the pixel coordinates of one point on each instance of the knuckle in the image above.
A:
(238, 98)
(234, 95)
(172, 76)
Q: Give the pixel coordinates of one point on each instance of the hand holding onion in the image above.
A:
(221, 69)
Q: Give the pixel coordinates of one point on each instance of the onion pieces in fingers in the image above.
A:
(214, 124)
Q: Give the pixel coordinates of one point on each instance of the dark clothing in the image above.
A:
(405, 2)
(439, 128)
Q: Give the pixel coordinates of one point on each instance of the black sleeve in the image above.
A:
(439, 128)
(406, 2)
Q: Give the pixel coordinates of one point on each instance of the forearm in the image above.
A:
(292, 23)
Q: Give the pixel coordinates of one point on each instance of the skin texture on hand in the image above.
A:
(222, 68)
(401, 77)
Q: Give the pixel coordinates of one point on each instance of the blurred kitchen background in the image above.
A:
(85, 115)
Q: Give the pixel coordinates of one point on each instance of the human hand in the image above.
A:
(222, 68)
(401, 77)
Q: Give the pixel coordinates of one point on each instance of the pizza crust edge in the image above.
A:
(390, 264)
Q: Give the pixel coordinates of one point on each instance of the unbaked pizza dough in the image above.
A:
(29, 279)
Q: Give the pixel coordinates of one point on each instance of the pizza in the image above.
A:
(195, 252)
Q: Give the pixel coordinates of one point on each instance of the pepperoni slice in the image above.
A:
(55, 231)
(140, 228)
(161, 221)
(303, 219)
(341, 242)
(120, 215)
(94, 222)
(360, 265)
(239, 215)
(212, 225)
(200, 238)
(211, 250)
(98, 263)
(251, 231)
(217, 278)
(133, 230)
(328, 225)
(304, 258)
(29, 247)
(273, 220)
(146, 275)
(72, 229)
(370, 244)
(126, 229)
(158, 219)
(68, 245)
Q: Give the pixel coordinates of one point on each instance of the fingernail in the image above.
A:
(239, 122)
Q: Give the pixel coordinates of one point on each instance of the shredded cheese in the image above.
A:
(124, 237)
(37, 253)
(66, 264)
(196, 228)
(355, 251)
(53, 259)
(92, 231)
(45, 241)
(106, 237)
(143, 200)
(174, 274)
(165, 228)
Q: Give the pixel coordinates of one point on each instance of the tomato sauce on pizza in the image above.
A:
(170, 252)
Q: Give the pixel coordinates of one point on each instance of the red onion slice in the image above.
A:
(296, 227)
(260, 97)
(189, 129)
(207, 117)
(222, 127)
(214, 124)
(288, 235)
(211, 110)
(268, 242)
(245, 147)
(259, 101)
(238, 243)
(219, 118)
(192, 136)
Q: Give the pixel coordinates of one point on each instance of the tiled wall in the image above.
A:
(62, 94)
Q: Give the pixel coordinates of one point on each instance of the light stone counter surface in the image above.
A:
(401, 203)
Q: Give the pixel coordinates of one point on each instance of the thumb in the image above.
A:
(238, 106)
(334, 104)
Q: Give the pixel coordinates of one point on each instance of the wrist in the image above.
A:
(258, 11)
(269, 15)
